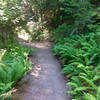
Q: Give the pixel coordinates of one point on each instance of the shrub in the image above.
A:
(80, 56)
(13, 65)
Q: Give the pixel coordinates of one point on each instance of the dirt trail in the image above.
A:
(45, 81)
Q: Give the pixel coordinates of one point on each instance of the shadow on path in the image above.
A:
(44, 81)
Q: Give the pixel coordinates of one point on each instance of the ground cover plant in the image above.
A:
(14, 64)
(80, 56)
(77, 31)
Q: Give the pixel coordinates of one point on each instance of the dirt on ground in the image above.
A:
(44, 81)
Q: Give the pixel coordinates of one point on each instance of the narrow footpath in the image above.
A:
(44, 81)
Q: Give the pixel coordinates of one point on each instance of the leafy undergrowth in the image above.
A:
(13, 66)
(80, 56)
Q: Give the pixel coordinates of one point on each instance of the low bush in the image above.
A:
(13, 65)
(80, 56)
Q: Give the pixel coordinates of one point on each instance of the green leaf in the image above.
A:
(78, 89)
(88, 96)
(98, 93)
(72, 84)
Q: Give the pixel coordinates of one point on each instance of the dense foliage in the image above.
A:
(80, 56)
(77, 40)
(76, 32)
(13, 65)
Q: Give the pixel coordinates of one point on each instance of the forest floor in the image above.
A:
(44, 81)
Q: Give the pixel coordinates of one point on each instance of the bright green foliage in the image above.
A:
(13, 65)
(80, 55)
(88, 96)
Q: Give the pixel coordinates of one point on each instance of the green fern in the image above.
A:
(81, 55)
(88, 96)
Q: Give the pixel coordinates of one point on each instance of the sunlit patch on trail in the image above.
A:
(36, 71)
(35, 74)
(45, 45)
